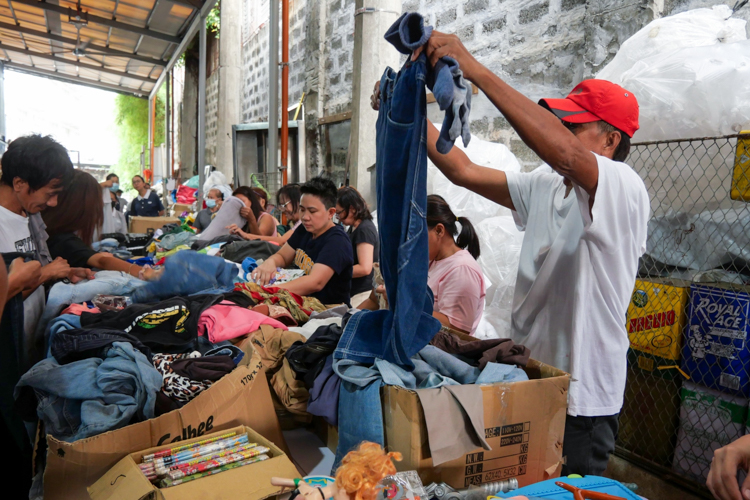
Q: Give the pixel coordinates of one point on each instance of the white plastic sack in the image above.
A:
(500, 243)
(217, 180)
(463, 202)
(690, 73)
(694, 28)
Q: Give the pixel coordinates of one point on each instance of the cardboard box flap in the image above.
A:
(123, 481)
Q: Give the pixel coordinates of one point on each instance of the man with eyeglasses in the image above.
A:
(586, 227)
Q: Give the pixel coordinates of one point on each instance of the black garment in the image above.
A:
(77, 344)
(308, 359)
(204, 368)
(71, 248)
(11, 329)
(588, 443)
(333, 249)
(167, 325)
(238, 250)
(366, 232)
(146, 207)
(227, 238)
(480, 352)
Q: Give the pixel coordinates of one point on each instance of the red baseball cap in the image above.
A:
(594, 100)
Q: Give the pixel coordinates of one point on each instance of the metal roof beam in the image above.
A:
(195, 4)
(186, 39)
(113, 23)
(74, 79)
(74, 42)
(101, 69)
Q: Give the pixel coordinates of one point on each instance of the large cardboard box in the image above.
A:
(716, 353)
(656, 320)
(181, 207)
(650, 414)
(524, 425)
(239, 398)
(143, 224)
(125, 481)
(708, 420)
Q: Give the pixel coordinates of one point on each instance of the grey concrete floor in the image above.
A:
(650, 486)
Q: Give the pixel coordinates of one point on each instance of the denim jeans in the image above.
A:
(105, 283)
(187, 273)
(94, 395)
(68, 346)
(397, 334)
(360, 411)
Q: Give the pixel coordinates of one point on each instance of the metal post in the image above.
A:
(167, 174)
(201, 110)
(273, 87)
(3, 144)
(150, 133)
(284, 89)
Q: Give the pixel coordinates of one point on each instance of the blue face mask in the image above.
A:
(210, 203)
(115, 187)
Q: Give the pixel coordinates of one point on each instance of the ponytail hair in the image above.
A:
(439, 212)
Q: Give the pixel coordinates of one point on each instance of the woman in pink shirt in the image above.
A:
(455, 277)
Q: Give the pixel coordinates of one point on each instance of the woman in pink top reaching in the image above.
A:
(454, 275)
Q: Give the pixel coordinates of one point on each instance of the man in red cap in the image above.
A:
(586, 227)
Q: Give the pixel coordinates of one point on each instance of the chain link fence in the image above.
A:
(688, 376)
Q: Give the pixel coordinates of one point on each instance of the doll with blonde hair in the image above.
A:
(357, 477)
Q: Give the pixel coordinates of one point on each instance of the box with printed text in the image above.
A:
(715, 353)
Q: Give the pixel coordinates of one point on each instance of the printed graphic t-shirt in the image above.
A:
(333, 249)
(16, 237)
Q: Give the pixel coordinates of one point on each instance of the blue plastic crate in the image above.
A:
(715, 353)
(548, 490)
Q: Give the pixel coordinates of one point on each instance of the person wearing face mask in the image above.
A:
(319, 247)
(214, 200)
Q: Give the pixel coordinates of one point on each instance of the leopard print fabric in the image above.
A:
(174, 386)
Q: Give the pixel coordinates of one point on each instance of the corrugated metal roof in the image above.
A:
(121, 45)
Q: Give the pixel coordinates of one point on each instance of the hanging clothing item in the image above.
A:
(170, 324)
(186, 273)
(94, 395)
(228, 214)
(452, 92)
(397, 334)
(226, 321)
(482, 352)
(299, 307)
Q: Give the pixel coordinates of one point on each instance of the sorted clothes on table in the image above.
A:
(237, 251)
(170, 324)
(187, 273)
(481, 352)
(226, 321)
(94, 395)
(299, 307)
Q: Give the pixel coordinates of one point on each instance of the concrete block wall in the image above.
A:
(212, 116)
(541, 47)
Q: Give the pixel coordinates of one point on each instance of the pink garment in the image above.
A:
(263, 214)
(458, 285)
(227, 321)
(77, 309)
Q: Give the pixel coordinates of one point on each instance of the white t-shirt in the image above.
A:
(576, 276)
(16, 237)
(458, 285)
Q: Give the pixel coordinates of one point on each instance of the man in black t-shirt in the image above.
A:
(318, 247)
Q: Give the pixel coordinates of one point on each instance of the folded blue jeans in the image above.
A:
(397, 334)
(94, 395)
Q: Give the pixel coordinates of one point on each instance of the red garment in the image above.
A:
(185, 195)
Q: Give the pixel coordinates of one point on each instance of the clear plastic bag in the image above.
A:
(112, 302)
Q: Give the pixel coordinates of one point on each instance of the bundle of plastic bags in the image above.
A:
(690, 73)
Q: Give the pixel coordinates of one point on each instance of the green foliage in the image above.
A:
(131, 118)
(213, 19)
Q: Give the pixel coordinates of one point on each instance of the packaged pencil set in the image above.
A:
(200, 459)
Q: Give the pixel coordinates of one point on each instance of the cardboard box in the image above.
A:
(143, 224)
(125, 481)
(716, 353)
(181, 207)
(524, 425)
(650, 415)
(656, 318)
(741, 173)
(239, 398)
(708, 421)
